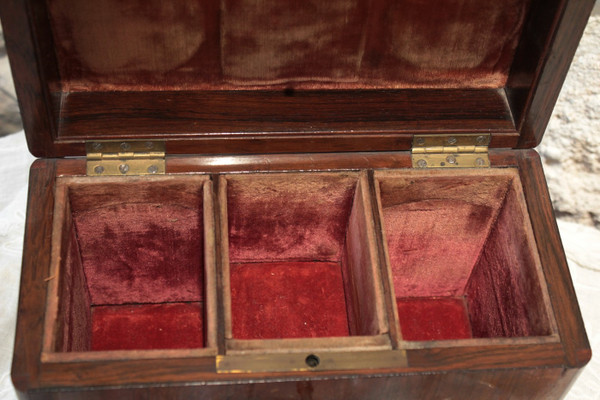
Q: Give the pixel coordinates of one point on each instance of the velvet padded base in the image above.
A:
(433, 318)
(148, 326)
(287, 300)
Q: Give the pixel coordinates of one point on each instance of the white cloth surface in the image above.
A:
(582, 245)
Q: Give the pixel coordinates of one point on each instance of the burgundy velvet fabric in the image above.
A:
(133, 265)
(141, 239)
(435, 227)
(141, 253)
(228, 44)
(444, 43)
(287, 300)
(462, 236)
(291, 217)
(430, 236)
(504, 294)
(433, 318)
(148, 326)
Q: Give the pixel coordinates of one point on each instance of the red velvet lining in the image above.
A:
(428, 236)
(287, 300)
(141, 253)
(504, 294)
(133, 275)
(148, 326)
(291, 217)
(433, 318)
(461, 236)
(228, 44)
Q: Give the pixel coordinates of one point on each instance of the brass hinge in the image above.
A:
(144, 157)
(451, 151)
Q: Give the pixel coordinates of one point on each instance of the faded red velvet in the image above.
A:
(140, 241)
(504, 294)
(286, 244)
(133, 272)
(459, 236)
(141, 253)
(433, 318)
(435, 227)
(291, 217)
(228, 44)
(287, 300)
(148, 326)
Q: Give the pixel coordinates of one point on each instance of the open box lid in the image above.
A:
(264, 76)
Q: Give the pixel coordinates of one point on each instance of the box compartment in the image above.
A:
(131, 267)
(462, 255)
(301, 258)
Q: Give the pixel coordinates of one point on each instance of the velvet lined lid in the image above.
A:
(244, 76)
(235, 44)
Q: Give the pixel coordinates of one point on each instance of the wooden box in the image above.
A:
(292, 200)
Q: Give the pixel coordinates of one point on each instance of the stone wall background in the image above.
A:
(571, 146)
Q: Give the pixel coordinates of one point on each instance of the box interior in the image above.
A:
(300, 263)
(462, 255)
(302, 258)
(229, 44)
(132, 272)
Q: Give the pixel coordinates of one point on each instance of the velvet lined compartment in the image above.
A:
(461, 255)
(299, 263)
(232, 44)
(133, 274)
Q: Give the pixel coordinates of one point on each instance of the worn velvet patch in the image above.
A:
(138, 253)
(435, 227)
(462, 236)
(433, 318)
(274, 300)
(310, 44)
(504, 294)
(148, 326)
(292, 217)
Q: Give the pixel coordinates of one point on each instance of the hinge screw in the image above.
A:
(421, 163)
(479, 162)
(125, 146)
(97, 146)
(153, 169)
(123, 168)
(451, 159)
(99, 169)
(451, 140)
(420, 141)
(149, 145)
(480, 139)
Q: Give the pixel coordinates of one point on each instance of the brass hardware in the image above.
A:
(316, 361)
(142, 157)
(454, 151)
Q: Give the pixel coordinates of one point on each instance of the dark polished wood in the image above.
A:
(34, 275)
(564, 300)
(196, 122)
(523, 384)
(34, 69)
